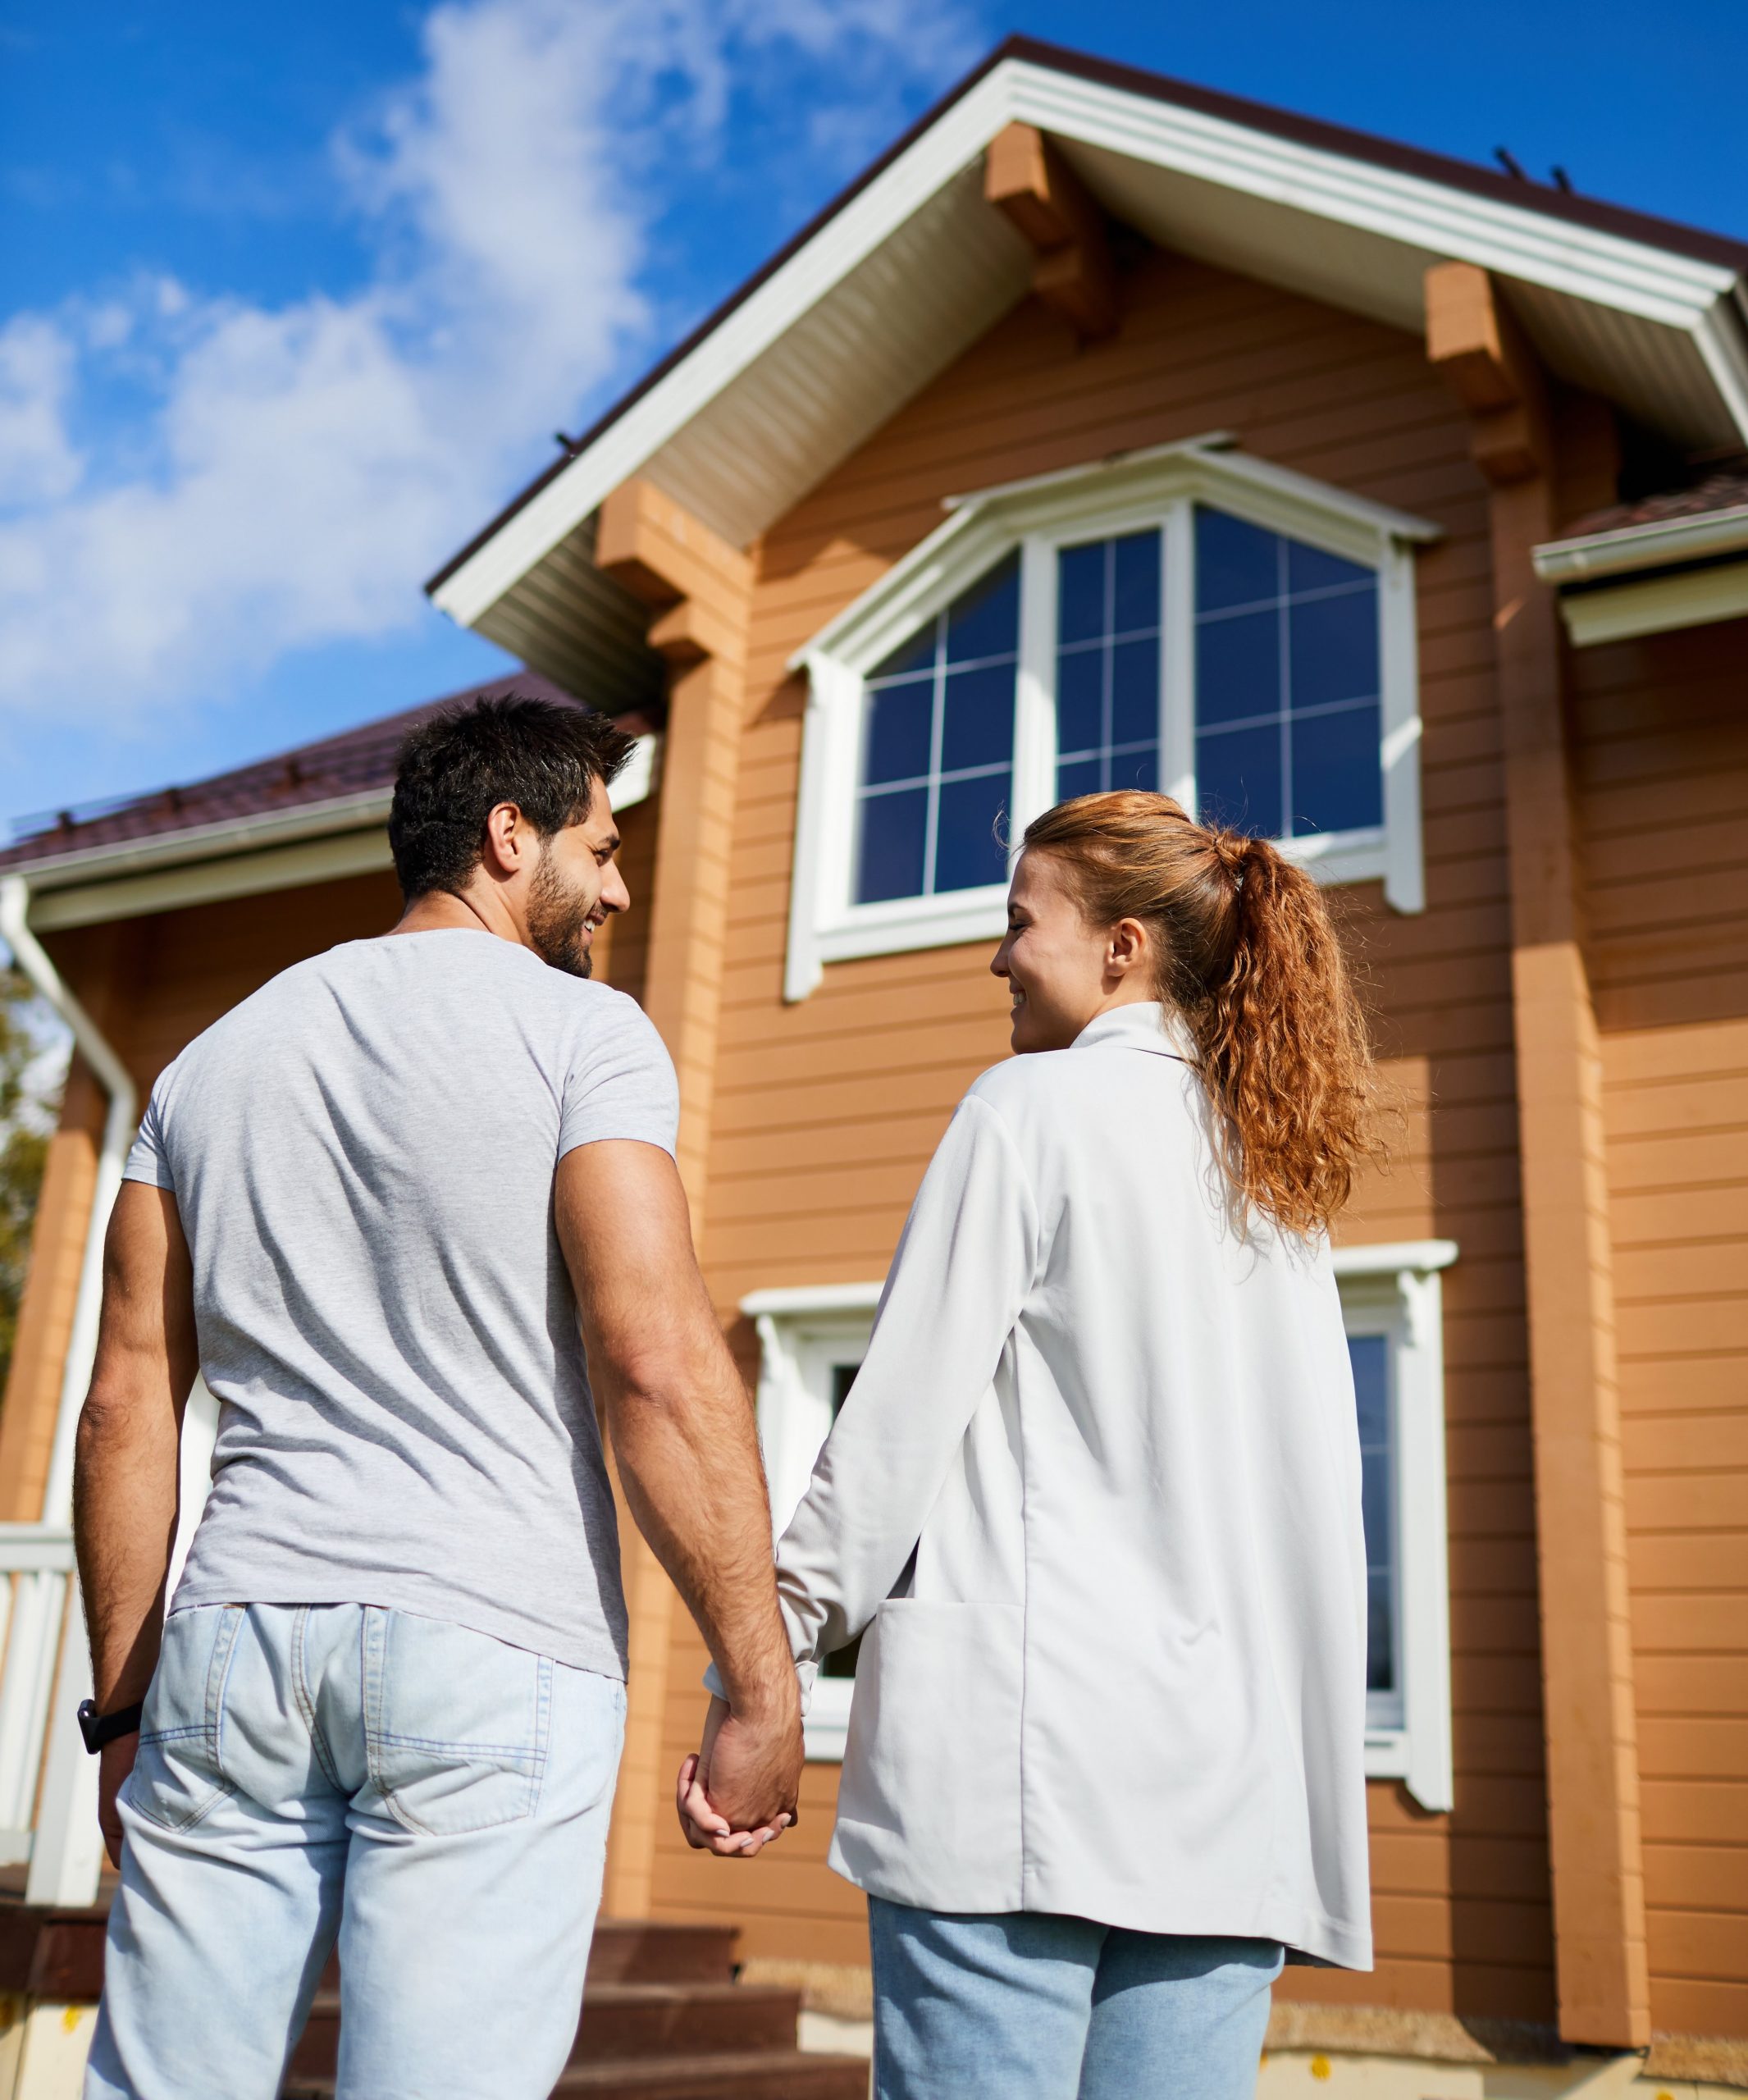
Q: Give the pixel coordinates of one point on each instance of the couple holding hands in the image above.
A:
(1093, 1507)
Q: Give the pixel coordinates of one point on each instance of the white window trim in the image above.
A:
(1157, 487)
(797, 1330)
(1392, 1289)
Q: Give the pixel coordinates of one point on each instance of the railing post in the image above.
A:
(66, 1854)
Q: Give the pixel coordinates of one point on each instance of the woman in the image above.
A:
(1095, 1503)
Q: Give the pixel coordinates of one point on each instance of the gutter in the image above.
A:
(1633, 549)
(118, 1134)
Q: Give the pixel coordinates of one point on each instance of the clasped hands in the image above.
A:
(737, 1794)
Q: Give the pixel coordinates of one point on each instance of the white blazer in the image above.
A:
(1095, 1498)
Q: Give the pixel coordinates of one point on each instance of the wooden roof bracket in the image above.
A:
(1026, 177)
(1589, 1720)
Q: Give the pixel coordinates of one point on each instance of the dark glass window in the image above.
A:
(1289, 707)
(1371, 1358)
(1107, 665)
(938, 749)
(841, 1661)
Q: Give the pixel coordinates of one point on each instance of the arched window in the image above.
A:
(1191, 620)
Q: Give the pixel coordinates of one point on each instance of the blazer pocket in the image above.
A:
(933, 1759)
(179, 1773)
(455, 1723)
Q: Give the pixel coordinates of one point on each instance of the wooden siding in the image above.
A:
(1664, 774)
(826, 1111)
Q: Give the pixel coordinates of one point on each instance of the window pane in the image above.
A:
(1079, 703)
(978, 726)
(1236, 563)
(1338, 776)
(1238, 666)
(1309, 568)
(1080, 593)
(1134, 691)
(900, 718)
(1381, 1631)
(1136, 769)
(889, 860)
(917, 655)
(1081, 778)
(1369, 1354)
(984, 620)
(1135, 582)
(968, 852)
(1238, 779)
(1334, 648)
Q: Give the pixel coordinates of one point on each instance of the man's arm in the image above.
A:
(125, 1465)
(688, 1454)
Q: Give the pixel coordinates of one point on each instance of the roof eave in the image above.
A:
(1630, 549)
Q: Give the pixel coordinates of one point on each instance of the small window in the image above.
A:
(938, 749)
(1289, 708)
(1107, 665)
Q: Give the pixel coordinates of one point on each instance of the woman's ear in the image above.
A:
(1127, 949)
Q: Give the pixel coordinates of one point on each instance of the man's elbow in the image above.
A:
(117, 1412)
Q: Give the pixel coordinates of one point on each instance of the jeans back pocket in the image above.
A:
(455, 1723)
(178, 1772)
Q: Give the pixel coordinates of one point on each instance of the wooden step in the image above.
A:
(767, 2074)
(622, 2021)
(645, 1950)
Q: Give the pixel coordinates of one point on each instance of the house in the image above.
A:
(1109, 431)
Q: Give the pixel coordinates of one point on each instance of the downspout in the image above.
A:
(118, 1134)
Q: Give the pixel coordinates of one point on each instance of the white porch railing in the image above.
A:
(48, 1797)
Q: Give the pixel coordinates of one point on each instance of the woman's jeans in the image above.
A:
(454, 1791)
(1025, 2006)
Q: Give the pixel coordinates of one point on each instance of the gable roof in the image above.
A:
(909, 266)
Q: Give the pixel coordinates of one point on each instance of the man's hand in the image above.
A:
(115, 1761)
(738, 1794)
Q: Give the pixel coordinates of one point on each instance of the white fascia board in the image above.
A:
(1605, 268)
(1655, 605)
(206, 842)
(743, 337)
(1394, 1257)
(1631, 277)
(1634, 547)
(801, 1300)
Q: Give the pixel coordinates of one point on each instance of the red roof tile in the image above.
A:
(1726, 489)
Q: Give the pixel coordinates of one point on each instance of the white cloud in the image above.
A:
(298, 470)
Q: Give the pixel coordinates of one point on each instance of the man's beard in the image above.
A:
(556, 918)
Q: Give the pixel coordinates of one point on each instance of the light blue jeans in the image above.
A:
(435, 1800)
(1025, 2006)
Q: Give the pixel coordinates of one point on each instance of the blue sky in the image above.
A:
(293, 299)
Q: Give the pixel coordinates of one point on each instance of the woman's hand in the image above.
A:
(704, 1826)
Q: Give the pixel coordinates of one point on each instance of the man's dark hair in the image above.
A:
(454, 769)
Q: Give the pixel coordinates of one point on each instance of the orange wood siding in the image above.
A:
(1664, 764)
(826, 1111)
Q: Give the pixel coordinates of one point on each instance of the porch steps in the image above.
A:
(662, 2020)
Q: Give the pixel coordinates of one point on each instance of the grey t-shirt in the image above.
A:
(363, 1156)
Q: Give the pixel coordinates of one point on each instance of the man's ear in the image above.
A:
(505, 848)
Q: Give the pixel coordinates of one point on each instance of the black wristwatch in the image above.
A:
(99, 1728)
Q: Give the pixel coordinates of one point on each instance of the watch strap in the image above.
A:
(98, 1729)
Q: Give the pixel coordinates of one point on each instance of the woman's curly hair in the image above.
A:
(1249, 955)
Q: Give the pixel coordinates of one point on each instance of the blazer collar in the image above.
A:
(1147, 1025)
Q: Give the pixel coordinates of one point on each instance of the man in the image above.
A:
(371, 1204)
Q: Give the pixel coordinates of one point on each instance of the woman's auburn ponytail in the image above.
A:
(1249, 954)
(1283, 1046)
